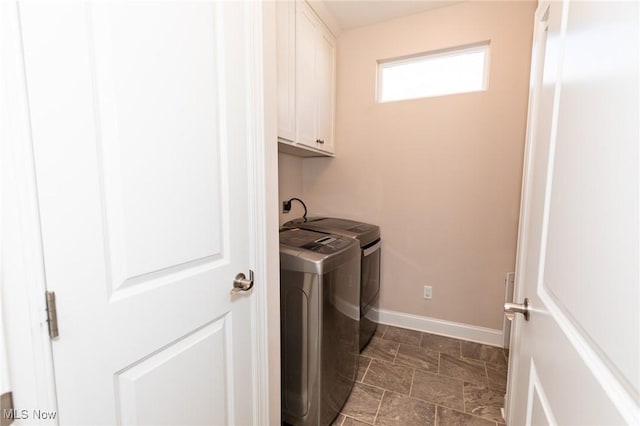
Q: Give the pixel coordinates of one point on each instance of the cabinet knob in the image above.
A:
(319, 141)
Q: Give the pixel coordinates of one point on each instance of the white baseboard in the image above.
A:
(487, 336)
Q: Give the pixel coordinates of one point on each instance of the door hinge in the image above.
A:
(8, 413)
(52, 315)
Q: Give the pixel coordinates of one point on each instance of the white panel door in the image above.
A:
(139, 128)
(577, 360)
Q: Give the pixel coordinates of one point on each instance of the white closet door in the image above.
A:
(139, 127)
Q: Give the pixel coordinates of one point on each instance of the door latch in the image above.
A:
(511, 309)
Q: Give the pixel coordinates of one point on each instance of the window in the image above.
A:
(457, 70)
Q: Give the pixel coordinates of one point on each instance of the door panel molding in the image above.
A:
(176, 359)
(125, 146)
(607, 375)
(167, 276)
(537, 394)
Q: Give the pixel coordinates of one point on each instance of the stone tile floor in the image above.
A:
(408, 378)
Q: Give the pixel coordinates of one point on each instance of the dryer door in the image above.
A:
(370, 275)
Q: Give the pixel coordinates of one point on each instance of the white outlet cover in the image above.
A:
(427, 292)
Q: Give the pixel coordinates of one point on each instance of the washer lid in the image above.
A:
(313, 241)
(364, 232)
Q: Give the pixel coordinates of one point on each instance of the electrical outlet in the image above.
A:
(286, 206)
(427, 292)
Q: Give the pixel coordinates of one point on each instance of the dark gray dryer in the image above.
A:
(370, 245)
(319, 316)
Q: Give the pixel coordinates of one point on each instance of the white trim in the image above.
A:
(483, 46)
(262, 166)
(22, 279)
(326, 17)
(509, 284)
(255, 166)
(525, 195)
(473, 333)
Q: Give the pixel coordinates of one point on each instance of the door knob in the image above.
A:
(511, 309)
(241, 283)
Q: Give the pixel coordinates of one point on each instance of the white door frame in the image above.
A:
(21, 268)
(263, 182)
(23, 281)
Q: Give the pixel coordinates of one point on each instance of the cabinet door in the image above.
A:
(306, 86)
(325, 72)
(286, 69)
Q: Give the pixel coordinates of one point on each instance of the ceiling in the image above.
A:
(357, 13)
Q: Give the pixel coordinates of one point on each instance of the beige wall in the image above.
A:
(289, 185)
(441, 176)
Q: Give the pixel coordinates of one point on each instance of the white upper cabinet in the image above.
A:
(306, 81)
(286, 70)
(326, 78)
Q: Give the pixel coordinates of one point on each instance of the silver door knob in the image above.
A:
(242, 283)
(511, 309)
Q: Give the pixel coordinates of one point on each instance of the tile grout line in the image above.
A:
(475, 416)
(353, 418)
(432, 402)
(366, 371)
(464, 400)
(412, 377)
(486, 373)
(376, 387)
(375, 418)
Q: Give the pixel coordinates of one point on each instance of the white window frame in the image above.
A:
(483, 46)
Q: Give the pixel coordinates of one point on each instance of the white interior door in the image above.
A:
(139, 126)
(576, 361)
